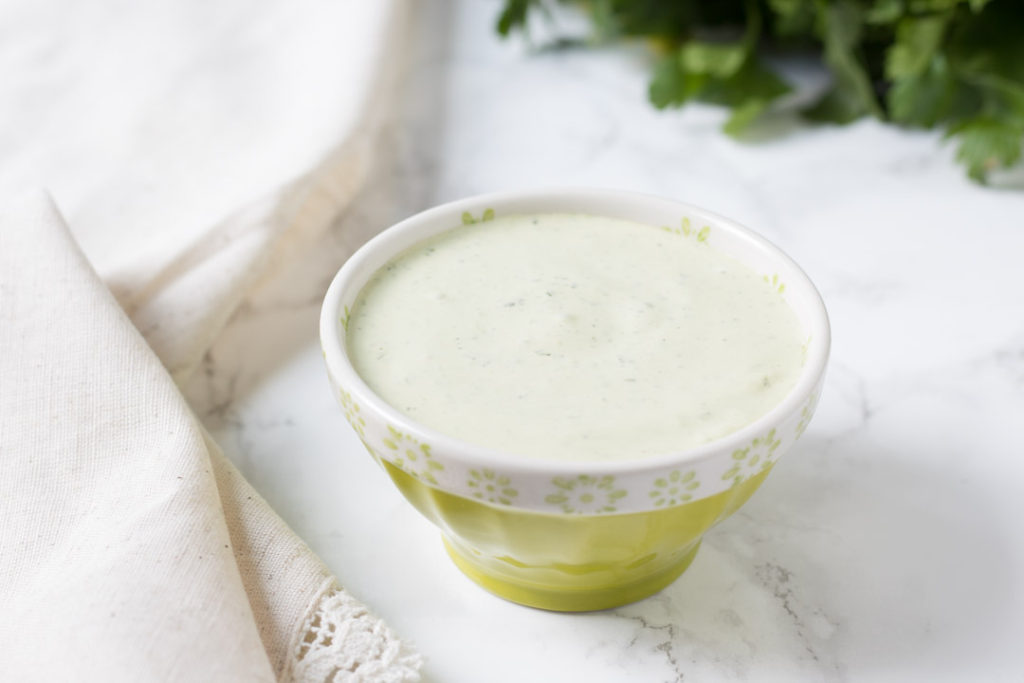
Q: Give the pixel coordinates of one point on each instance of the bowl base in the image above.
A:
(558, 598)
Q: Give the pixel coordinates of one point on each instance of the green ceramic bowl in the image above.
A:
(561, 535)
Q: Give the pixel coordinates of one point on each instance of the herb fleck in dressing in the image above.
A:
(574, 337)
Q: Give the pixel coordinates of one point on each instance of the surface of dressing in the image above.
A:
(574, 337)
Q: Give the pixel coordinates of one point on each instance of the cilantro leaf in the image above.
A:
(917, 41)
(513, 16)
(852, 94)
(792, 17)
(672, 85)
(719, 60)
(987, 143)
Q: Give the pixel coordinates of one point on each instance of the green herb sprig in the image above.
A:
(953, 64)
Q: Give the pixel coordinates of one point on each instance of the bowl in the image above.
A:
(573, 536)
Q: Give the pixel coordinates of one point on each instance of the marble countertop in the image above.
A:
(887, 545)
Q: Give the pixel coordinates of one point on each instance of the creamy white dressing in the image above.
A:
(574, 337)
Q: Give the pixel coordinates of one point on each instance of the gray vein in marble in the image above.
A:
(778, 580)
(666, 646)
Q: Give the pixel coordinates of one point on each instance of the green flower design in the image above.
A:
(411, 456)
(686, 229)
(753, 459)
(351, 410)
(494, 488)
(346, 314)
(805, 416)
(468, 219)
(674, 489)
(776, 284)
(585, 494)
(804, 349)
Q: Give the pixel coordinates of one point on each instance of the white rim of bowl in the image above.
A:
(473, 455)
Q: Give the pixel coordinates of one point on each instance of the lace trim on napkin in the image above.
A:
(341, 641)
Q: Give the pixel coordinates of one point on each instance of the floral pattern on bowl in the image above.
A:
(572, 491)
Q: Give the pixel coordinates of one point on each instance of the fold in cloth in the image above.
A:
(194, 145)
(130, 548)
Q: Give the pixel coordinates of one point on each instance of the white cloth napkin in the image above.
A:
(191, 145)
